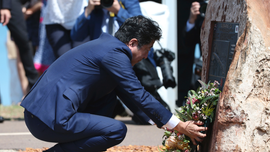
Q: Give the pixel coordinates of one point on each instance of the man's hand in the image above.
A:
(91, 6)
(192, 130)
(194, 12)
(5, 16)
(115, 7)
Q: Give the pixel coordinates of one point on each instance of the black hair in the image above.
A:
(142, 28)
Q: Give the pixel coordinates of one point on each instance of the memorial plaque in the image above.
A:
(224, 39)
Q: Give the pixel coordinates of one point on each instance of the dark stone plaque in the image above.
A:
(225, 36)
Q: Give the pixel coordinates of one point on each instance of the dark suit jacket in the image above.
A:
(192, 37)
(5, 4)
(87, 79)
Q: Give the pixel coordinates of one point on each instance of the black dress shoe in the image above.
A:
(1, 119)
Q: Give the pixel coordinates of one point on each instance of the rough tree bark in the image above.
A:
(242, 117)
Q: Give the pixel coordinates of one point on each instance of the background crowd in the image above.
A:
(43, 30)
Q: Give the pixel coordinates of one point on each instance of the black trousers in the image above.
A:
(18, 31)
(60, 40)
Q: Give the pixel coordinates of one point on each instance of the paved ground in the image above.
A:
(15, 136)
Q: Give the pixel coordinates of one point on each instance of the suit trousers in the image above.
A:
(18, 31)
(101, 133)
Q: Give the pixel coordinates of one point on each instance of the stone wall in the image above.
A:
(242, 120)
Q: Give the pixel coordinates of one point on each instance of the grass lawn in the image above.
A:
(13, 112)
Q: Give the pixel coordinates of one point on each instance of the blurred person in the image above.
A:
(191, 37)
(44, 55)
(193, 26)
(97, 19)
(157, 1)
(31, 10)
(71, 102)
(59, 18)
(5, 16)
(17, 27)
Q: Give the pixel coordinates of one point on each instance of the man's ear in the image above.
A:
(133, 42)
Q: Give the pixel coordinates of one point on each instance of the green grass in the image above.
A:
(13, 112)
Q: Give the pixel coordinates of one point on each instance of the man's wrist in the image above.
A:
(172, 123)
(181, 127)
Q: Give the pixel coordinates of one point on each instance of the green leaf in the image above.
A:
(193, 92)
(167, 133)
(207, 98)
(184, 117)
(189, 116)
(204, 86)
(191, 103)
(189, 94)
(215, 102)
(211, 119)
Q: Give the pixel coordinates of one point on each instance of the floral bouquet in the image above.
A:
(200, 106)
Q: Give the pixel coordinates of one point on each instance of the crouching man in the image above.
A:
(73, 100)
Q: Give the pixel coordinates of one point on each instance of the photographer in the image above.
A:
(97, 18)
(191, 36)
(194, 24)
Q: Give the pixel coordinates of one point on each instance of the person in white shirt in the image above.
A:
(59, 19)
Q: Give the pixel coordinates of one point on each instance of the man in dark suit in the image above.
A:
(72, 101)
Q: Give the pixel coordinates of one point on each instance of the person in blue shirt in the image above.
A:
(73, 99)
(96, 19)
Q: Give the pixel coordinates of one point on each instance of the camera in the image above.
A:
(203, 6)
(106, 3)
(163, 59)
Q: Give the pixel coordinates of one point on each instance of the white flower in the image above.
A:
(181, 137)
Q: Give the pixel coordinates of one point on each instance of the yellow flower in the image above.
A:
(182, 146)
(170, 142)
